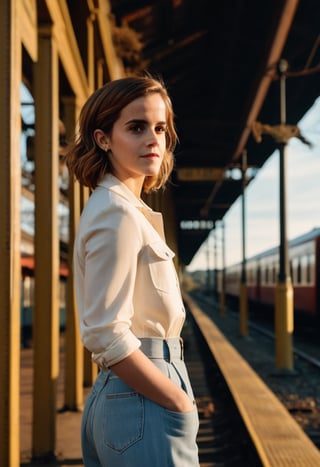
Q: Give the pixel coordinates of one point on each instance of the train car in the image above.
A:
(262, 273)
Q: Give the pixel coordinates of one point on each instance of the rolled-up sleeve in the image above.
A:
(105, 263)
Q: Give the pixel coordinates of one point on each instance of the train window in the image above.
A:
(310, 269)
(291, 272)
(274, 274)
(262, 275)
(267, 275)
(252, 276)
(308, 272)
(299, 278)
(258, 277)
(296, 271)
(304, 269)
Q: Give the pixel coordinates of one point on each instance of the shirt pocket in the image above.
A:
(161, 267)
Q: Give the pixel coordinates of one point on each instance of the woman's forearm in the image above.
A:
(141, 374)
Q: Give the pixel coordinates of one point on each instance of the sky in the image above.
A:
(262, 201)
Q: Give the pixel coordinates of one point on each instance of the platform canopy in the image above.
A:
(219, 60)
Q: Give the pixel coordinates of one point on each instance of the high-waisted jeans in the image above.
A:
(121, 428)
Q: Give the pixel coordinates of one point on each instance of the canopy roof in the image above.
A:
(219, 60)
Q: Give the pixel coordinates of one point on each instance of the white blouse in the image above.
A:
(125, 279)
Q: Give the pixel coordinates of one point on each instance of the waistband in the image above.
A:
(167, 349)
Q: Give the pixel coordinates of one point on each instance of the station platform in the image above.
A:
(68, 448)
(275, 432)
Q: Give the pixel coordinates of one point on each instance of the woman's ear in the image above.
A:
(101, 139)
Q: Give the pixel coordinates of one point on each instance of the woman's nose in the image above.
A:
(151, 139)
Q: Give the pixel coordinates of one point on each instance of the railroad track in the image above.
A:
(222, 439)
(299, 393)
(265, 330)
(270, 335)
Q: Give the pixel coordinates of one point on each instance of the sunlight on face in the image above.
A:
(138, 140)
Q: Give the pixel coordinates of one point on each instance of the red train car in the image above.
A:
(262, 273)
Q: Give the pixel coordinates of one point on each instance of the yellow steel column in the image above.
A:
(46, 312)
(284, 324)
(284, 320)
(90, 369)
(10, 277)
(73, 381)
(284, 302)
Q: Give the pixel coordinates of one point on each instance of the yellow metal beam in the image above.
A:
(91, 52)
(280, 36)
(68, 48)
(46, 311)
(10, 189)
(73, 381)
(114, 64)
(196, 174)
(29, 31)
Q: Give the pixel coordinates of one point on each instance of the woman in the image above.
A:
(141, 411)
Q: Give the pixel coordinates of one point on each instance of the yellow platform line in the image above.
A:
(279, 440)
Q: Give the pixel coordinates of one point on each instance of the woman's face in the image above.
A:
(138, 140)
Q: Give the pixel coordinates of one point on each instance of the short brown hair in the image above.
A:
(86, 160)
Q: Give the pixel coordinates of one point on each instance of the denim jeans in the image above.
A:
(121, 428)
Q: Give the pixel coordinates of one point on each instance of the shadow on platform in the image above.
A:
(68, 446)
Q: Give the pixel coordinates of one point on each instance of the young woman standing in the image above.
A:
(141, 410)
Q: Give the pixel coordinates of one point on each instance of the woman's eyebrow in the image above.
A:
(141, 120)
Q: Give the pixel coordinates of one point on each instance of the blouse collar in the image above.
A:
(112, 183)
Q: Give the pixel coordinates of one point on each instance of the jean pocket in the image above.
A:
(181, 424)
(123, 420)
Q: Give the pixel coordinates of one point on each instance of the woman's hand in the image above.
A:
(139, 372)
(183, 404)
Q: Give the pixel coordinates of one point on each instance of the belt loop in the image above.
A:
(166, 350)
(182, 348)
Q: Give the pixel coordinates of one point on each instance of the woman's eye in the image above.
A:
(139, 128)
(161, 129)
(136, 128)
